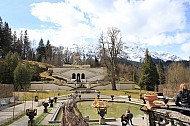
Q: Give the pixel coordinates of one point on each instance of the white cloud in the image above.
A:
(163, 39)
(144, 18)
(146, 22)
(184, 51)
(185, 47)
(37, 34)
(70, 23)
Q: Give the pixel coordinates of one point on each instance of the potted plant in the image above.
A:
(150, 97)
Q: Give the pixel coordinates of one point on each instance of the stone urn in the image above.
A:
(98, 96)
(112, 97)
(150, 99)
(80, 97)
(51, 102)
(101, 107)
(55, 99)
(129, 97)
(31, 113)
(102, 111)
(36, 99)
(45, 104)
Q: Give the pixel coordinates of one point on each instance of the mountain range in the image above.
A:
(137, 53)
(130, 52)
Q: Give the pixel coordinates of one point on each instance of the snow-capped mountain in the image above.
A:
(132, 52)
(136, 53)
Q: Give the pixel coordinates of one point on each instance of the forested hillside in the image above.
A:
(16, 48)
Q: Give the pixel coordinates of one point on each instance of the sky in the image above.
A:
(159, 25)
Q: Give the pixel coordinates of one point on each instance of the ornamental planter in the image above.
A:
(45, 104)
(112, 97)
(31, 113)
(150, 99)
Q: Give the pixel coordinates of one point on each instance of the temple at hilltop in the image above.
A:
(79, 73)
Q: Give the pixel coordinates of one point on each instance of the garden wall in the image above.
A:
(6, 90)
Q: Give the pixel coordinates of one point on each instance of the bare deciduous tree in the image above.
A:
(110, 47)
(176, 74)
(128, 72)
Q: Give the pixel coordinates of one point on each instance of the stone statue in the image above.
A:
(97, 103)
(70, 118)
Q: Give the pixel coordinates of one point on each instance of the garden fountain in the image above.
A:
(109, 111)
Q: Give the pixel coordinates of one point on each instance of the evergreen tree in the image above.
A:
(4, 73)
(1, 35)
(161, 72)
(14, 42)
(6, 39)
(19, 46)
(35, 71)
(8, 67)
(31, 54)
(20, 41)
(149, 76)
(41, 51)
(22, 76)
(48, 52)
(26, 45)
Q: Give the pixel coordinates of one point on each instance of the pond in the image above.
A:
(115, 110)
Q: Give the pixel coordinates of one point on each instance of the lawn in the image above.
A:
(133, 93)
(46, 94)
(41, 95)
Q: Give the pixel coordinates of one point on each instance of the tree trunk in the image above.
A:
(113, 84)
(113, 79)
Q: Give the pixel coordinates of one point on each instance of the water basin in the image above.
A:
(115, 110)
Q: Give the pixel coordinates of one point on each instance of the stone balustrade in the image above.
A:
(166, 115)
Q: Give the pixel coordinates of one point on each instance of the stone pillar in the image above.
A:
(149, 118)
(102, 121)
(172, 122)
(146, 118)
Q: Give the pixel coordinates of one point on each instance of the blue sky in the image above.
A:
(159, 25)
